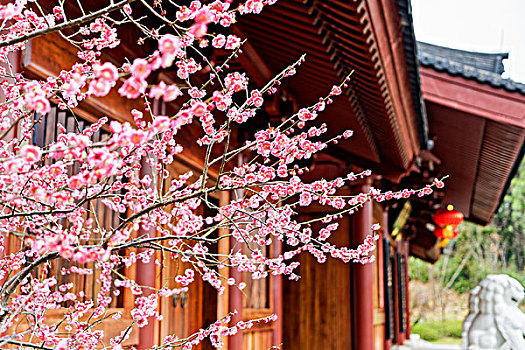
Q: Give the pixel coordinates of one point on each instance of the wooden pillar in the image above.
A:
(223, 301)
(407, 294)
(398, 293)
(276, 285)
(145, 276)
(363, 305)
(386, 297)
(235, 302)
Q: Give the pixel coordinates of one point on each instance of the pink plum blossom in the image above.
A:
(31, 154)
(140, 68)
(133, 88)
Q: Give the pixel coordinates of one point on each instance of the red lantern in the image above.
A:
(447, 232)
(448, 216)
(438, 232)
(447, 219)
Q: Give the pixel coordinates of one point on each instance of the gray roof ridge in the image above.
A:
(431, 58)
(505, 54)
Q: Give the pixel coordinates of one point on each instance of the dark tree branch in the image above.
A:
(75, 22)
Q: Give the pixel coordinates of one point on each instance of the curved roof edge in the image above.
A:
(409, 39)
(451, 61)
(492, 62)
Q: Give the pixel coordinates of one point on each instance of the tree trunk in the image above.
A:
(517, 252)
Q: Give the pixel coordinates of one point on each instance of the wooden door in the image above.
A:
(185, 313)
(317, 309)
(259, 299)
(182, 312)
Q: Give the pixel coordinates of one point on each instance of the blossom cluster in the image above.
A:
(81, 207)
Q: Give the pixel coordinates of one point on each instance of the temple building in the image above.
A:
(419, 112)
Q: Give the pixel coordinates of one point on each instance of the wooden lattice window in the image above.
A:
(46, 132)
(257, 295)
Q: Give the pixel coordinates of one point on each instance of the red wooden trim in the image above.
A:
(472, 97)
(402, 335)
(363, 305)
(48, 55)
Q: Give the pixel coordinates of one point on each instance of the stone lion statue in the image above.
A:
(473, 306)
(494, 321)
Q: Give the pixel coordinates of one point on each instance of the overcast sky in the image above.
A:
(475, 25)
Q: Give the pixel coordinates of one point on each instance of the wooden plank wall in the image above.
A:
(317, 309)
(258, 340)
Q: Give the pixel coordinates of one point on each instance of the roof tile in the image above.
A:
(486, 68)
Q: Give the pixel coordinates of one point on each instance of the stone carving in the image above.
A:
(473, 306)
(494, 321)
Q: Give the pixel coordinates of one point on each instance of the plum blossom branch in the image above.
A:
(92, 202)
(68, 24)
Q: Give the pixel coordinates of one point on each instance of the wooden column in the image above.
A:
(276, 284)
(399, 295)
(386, 296)
(235, 302)
(407, 294)
(363, 306)
(223, 301)
(145, 276)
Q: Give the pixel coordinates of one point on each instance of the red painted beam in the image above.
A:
(472, 97)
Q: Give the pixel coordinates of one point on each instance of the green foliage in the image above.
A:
(432, 331)
(453, 328)
(427, 331)
(475, 253)
(418, 269)
(510, 219)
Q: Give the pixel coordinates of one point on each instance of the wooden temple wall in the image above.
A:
(317, 309)
(318, 312)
